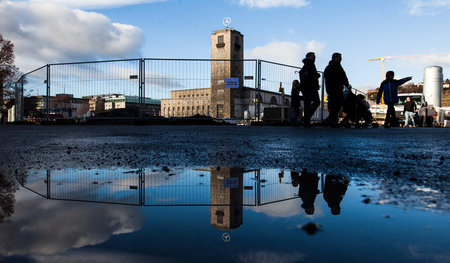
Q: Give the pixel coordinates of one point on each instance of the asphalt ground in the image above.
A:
(418, 157)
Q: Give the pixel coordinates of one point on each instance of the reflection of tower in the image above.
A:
(226, 197)
(226, 45)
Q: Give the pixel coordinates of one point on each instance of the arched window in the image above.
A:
(273, 101)
(286, 102)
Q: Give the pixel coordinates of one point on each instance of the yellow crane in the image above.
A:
(382, 59)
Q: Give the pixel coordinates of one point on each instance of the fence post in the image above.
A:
(141, 88)
(47, 97)
(322, 98)
(258, 90)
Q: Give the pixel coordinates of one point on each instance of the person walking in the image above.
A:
(335, 80)
(388, 89)
(408, 109)
(295, 101)
(309, 81)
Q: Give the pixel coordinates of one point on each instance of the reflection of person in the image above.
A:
(409, 108)
(308, 189)
(295, 101)
(335, 80)
(388, 89)
(309, 81)
(334, 191)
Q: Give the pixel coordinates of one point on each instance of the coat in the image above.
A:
(389, 89)
(309, 77)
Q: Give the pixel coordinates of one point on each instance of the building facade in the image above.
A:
(186, 103)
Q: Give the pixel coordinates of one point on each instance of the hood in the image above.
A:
(306, 60)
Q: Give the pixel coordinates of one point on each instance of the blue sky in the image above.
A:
(277, 30)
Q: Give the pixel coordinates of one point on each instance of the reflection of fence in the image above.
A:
(148, 87)
(149, 187)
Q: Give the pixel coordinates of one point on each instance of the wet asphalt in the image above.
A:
(418, 157)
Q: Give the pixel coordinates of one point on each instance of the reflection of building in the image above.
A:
(226, 197)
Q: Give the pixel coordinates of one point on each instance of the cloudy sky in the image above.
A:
(48, 31)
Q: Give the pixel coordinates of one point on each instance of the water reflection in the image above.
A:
(226, 190)
(7, 190)
(217, 186)
(273, 203)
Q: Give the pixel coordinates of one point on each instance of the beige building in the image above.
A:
(185, 103)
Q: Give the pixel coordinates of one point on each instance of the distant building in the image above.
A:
(119, 101)
(185, 103)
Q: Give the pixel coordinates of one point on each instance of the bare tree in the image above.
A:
(7, 68)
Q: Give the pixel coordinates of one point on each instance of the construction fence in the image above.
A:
(149, 88)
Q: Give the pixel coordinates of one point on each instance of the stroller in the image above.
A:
(356, 109)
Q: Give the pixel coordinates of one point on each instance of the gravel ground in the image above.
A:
(402, 159)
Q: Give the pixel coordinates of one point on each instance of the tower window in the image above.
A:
(220, 41)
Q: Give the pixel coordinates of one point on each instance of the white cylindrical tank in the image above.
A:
(432, 85)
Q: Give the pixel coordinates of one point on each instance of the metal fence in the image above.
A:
(75, 90)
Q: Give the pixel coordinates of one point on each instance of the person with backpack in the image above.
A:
(309, 82)
(388, 89)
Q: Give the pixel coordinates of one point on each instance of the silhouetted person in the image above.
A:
(309, 81)
(308, 189)
(335, 80)
(388, 89)
(334, 191)
(295, 101)
(423, 112)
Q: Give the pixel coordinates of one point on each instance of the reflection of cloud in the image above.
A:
(285, 52)
(428, 253)
(100, 256)
(48, 227)
(273, 3)
(46, 32)
(427, 7)
(287, 208)
(267, 256)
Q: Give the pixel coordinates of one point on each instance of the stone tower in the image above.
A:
(227, 54)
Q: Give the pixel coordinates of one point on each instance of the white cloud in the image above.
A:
(285, 52)
(95, 4)
(45, 33)
(273, 3)
(427, 7)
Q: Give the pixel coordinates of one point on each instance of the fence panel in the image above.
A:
(184, 85)
(87, 89)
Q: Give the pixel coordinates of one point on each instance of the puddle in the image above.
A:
(219, 214)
